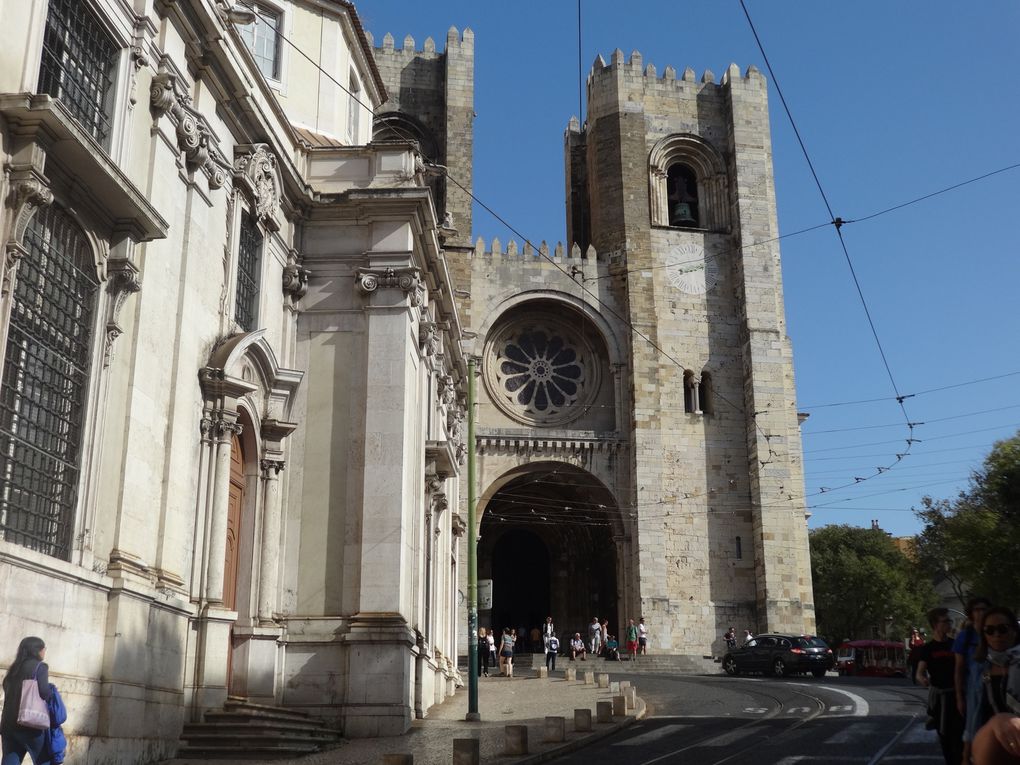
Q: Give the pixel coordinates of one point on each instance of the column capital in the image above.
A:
(272, 466)
(407, 279)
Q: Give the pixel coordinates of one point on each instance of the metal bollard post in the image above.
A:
(555, 730)
(466, 751)
(516, 741)
(604, 711)
(582, 720)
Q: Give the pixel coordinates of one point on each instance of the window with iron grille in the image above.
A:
(78, 64)
(45, 383)
(248, 258)
(262, 37)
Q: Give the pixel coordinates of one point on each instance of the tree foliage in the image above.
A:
(973, 541)
(862, 581)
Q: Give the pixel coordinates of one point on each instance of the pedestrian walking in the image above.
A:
(552, 647)
(507, 652)
(490, 638)
(28, 674)
(642, 637)
(936, 665)
(594, 636)
(548, 631)
(914, 644)
(483, 652)
(632, 639)
(999, 635)
(731, 639)
(967, 680)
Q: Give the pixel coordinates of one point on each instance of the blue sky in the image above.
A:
(894, 100)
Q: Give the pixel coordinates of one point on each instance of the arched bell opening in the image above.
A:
(548, 541)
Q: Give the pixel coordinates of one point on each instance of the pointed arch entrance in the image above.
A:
(549, 539)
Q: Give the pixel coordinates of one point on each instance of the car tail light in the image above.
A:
(828, 650)
(796, 650)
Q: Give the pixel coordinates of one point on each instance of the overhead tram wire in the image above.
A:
(910, 440)
(913, 395)
(925, 422)
(609, 309)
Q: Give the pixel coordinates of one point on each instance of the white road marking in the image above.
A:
(852, 733)
(861, 708)
(653, 735)
(842, 708)
(798, 710)
(756, 710)
(728, 738)
(918, 735)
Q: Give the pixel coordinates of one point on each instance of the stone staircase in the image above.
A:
(664, 664)
(245, 731)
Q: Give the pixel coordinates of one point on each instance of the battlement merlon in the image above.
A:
(634, 70)
(455, 42)
(529, 254)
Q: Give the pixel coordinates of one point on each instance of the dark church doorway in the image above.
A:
(548, 542)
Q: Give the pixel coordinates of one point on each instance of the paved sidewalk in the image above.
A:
(523, 700)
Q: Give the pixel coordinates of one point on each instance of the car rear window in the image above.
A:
(811, 642)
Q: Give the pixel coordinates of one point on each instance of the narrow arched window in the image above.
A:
(45, 383)
(705, 393)
(682, 196)
(690, 395)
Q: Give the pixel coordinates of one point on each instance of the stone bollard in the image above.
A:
(619, 706)
(589, 678)
(516, 741)
(624, 684)
(570, 673)
(582, 720)
(555, 730)
(614, 687)
(603, 678)
(466, 751)
(398, 759)
(604, 711)
(631, 695)
(543, 672)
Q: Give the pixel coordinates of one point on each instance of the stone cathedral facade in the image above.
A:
(237, 299)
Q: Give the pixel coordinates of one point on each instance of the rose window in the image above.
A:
(539, 372)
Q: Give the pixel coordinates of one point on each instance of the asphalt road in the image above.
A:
(710, 720)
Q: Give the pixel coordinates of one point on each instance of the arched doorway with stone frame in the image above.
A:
(245, 423)
(553, 542)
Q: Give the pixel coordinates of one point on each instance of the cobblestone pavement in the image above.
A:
(523, 700)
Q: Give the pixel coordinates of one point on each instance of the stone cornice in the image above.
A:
(542, 444)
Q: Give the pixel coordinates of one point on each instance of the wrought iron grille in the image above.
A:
(45, 383)
(77, 64)
(247, 298)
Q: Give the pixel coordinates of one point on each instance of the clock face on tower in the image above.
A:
(690, 271)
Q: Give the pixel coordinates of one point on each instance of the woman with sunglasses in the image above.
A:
(998, 635)
(968, 671)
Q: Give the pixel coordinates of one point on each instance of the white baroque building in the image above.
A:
(232, 388)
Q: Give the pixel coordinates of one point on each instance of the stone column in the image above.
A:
(225, 426)
(269, 565)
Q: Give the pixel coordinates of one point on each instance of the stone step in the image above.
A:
(260, 717)
(243, 752)
(213, 731)
(237, 703)
(311, 727)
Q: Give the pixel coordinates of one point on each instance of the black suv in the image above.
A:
(781, 655)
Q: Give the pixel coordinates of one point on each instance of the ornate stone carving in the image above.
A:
(295, 278)
(219, 426)
(447, 392)
(407, 279)
(123, 281)
(441, 504)
(269, 464)
(139, 59)
(194, 136)
(434, 482)
(428, 338)
(258, 166)
(28, 193)
(457, 525)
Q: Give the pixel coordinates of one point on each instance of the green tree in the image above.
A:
(973, 541)
(862, 580)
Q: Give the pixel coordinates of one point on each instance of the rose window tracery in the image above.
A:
(539, 372)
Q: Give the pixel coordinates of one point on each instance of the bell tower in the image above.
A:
(671, 176)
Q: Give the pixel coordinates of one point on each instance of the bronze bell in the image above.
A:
(681, 215)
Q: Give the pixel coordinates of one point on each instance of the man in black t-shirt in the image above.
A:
(935, 672)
